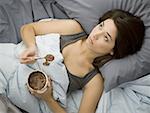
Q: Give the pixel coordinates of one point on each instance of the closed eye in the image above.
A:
(109, 37)
(101, 25)
(106, 38)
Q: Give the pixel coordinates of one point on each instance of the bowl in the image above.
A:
(37, 81)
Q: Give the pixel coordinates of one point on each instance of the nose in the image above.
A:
(98, 34)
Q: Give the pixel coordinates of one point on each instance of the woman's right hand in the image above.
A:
(28, 56)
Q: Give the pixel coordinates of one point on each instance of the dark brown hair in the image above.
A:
(130, 34)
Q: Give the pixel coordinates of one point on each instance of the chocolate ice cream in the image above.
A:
(37, 80)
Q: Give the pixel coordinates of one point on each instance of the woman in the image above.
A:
(117, 35)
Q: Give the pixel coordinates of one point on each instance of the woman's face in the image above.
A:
(102, 38)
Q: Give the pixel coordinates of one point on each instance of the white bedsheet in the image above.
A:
(131, 97)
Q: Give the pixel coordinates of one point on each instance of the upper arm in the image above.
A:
(92, 94)
(61, 26)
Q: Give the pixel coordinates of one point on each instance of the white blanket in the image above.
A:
(13, 75)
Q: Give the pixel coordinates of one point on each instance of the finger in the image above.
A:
(24, 61)
(24, 55)
(28, 60)
(49, 84)
(33, 93)
(23, 58)
(49, 79)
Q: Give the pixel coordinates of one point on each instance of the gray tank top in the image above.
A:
(75, 82)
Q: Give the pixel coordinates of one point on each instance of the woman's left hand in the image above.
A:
(45, 95)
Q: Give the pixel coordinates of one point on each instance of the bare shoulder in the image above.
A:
(91, 96)
(76, 27)
(95, 81)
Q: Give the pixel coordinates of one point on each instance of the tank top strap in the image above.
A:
(74, 36)
(77, 83)
(67, 39)
(89, 76)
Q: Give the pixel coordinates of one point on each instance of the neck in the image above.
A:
(87, 53)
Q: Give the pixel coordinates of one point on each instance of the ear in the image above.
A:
(112, 53)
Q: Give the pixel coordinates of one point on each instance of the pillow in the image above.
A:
(15, 13)
(87, 12)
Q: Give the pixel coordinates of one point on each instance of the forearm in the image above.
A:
(54, 106)
(28, 35)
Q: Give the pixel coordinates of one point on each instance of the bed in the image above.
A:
(127, 81)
